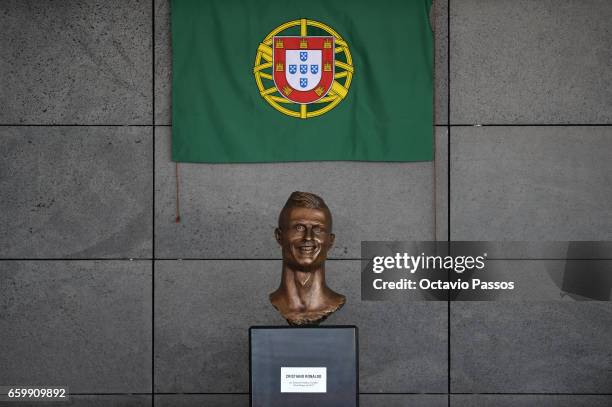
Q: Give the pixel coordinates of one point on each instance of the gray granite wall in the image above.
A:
(93, 291)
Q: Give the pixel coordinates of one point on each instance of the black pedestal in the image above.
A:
(314, 366)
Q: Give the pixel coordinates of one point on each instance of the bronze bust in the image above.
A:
(305, 235)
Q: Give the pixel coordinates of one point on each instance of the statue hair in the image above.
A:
(299, 199)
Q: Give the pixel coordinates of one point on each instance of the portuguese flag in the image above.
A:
(268, 81)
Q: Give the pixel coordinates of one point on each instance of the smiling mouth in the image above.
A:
(307, 249)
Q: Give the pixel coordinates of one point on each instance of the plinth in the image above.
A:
(304, 366)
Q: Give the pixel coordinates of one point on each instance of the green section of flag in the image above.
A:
(219, 116)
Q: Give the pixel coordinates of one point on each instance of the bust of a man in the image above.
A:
(305, 235)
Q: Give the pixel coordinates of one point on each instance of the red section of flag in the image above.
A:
(282, 44)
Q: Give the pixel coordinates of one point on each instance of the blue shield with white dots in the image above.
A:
(303, 68)
(303, 82)
(314, 69)
(303, 55)
(292, 69)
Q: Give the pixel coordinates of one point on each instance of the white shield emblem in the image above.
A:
(303, 68)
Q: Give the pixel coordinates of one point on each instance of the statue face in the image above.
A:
(305, 237)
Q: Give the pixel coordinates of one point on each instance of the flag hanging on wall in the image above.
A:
(274, 80)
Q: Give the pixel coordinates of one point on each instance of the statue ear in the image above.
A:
(278, 236)
(332, 239)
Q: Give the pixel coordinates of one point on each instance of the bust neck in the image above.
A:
(303, 290)
(303, 298)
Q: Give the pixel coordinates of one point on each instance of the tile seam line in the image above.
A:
(361, 393)
(153, 57)
(448, 186)
(531, 125)
(74, 125)
(275, 259)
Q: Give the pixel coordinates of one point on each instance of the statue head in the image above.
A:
(304, 231)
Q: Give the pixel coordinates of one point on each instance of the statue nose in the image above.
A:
(309, 234)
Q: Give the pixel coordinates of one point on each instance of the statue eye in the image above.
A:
(300, 228)
(317, 229)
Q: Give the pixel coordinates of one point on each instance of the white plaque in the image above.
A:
(303, 380)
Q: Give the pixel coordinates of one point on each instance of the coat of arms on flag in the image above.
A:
(292, 72)
(303, 67)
